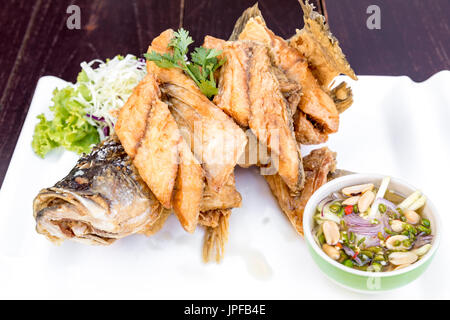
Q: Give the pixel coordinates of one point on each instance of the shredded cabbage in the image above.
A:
(107, 87)
(83, 113)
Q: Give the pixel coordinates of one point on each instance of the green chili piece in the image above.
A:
(322, 238)
(406, 243)
(367, 253)
(424, 229)
(341, 212)
(360, 242)
(352, 237)
(380, 236)
(335, 208)
(389, 231)
(344, 237)
(382, 208)
(348, 263)
(379, 258)
(426, 222)
(355, 208)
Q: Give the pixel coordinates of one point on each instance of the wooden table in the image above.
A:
(35, 41)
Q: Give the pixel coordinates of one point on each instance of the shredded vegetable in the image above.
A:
(107, 87)
(83, 114)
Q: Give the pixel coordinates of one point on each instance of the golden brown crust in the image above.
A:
(228, 197)
(233, 97)
(270, 119)
(221, 140)
(316, 42)
(306, 132)
(317, 166)
(189, 187)
(132, 119)
(157, 155)
(315, 102)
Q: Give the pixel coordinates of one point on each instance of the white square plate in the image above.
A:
(395, 127)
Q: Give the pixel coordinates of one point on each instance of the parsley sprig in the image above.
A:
(201, 67)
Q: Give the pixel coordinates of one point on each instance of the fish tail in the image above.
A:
(215, 239)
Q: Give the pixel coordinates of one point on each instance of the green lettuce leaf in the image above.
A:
(69, 127)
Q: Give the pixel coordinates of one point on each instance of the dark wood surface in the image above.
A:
(35, 41)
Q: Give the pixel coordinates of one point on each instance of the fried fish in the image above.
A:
(318, 165)
(221, 141)
(250, 92)
(101, 200)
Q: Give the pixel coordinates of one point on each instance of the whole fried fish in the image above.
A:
(101, 200)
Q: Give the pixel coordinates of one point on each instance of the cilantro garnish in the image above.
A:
(201, 67)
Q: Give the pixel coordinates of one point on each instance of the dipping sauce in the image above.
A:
(372, 229)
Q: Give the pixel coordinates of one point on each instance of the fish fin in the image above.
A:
(156, 226)
(215, 238)
(320, 47)
(343, 96)
(249, 13)
(338, 173)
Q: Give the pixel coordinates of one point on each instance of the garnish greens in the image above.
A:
(69, 127)
(83, 113)
(201, 67)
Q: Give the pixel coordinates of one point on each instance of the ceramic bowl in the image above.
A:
(363, 281)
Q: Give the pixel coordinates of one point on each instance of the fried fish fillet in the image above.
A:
(316, 42)
(233, 97)
(318, 165)
(225, 198)
(306, 131)
(270, 119)
(101, 200)
(250, 92)
(188, 195)
(315, 101)
(162, 157)
(157, 156)
(222, 141)
(132, 118)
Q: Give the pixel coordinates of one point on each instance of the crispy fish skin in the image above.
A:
(251, 93)
(150, 136)
(305, 131)
(270, 119)
(315, 101)
(132, 120)
(318, 165)
(316, 42)
(251, 12)
(233, 96)
(227, 198)
(189, 187)
(157, 156)
(101, 200)
(222, 140)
